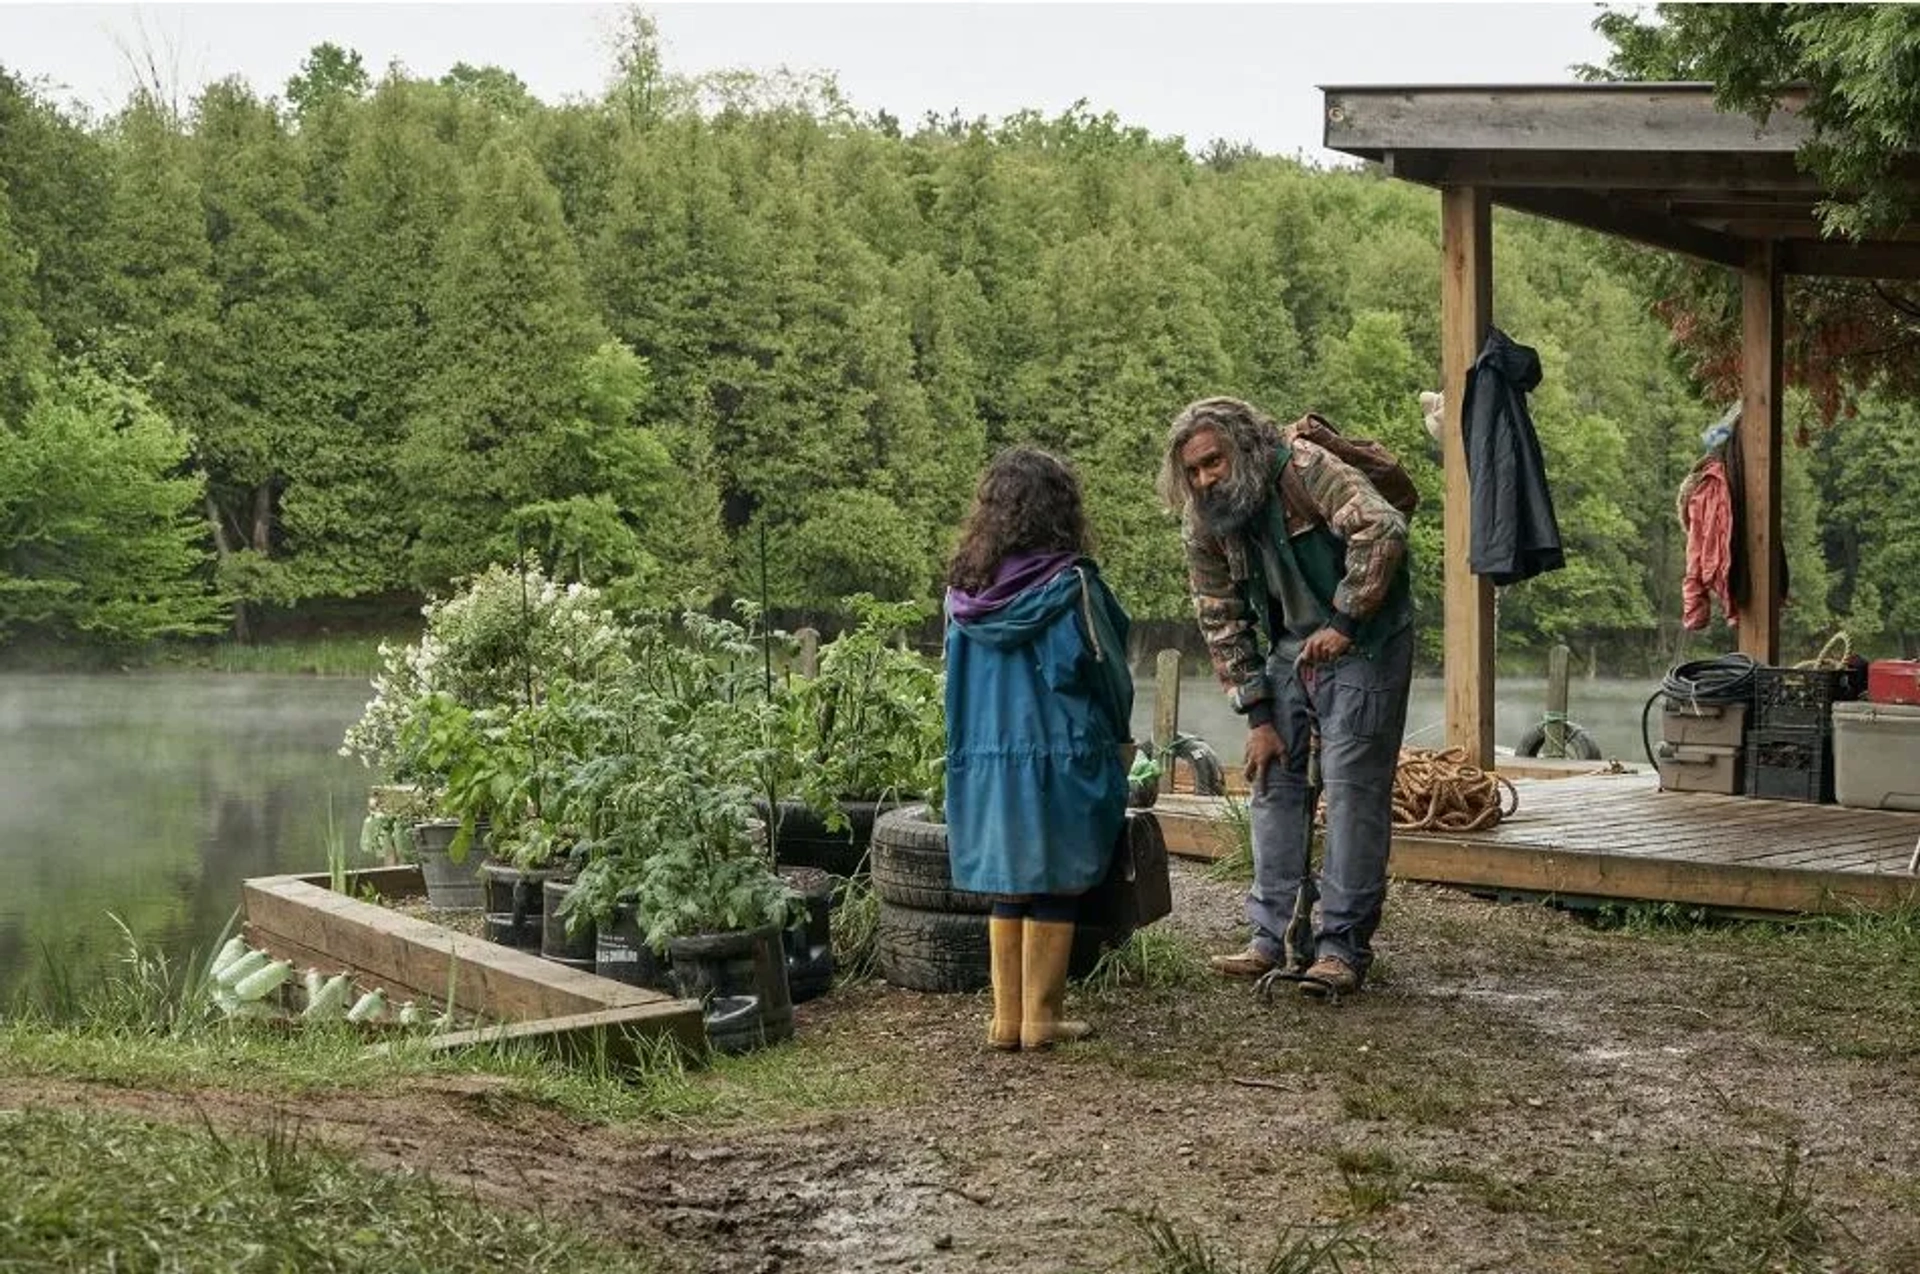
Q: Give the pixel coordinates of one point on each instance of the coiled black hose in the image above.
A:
(1722, 679)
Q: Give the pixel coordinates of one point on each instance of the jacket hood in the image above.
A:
(1025, 615)
(1518, 365)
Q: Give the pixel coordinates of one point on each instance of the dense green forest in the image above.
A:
(288, 351)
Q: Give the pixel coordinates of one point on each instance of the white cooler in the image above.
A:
(1876, 756)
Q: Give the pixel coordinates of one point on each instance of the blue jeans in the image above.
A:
(1360, 706)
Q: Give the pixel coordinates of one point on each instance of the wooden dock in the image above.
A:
(1619, 838)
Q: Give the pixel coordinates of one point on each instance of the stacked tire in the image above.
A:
(932, 936)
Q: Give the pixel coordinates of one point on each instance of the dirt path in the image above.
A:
(1516, 1092)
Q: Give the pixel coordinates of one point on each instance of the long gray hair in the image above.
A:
(1250, 438)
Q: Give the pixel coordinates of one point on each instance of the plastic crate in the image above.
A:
(1790, 765)
(1801, 698)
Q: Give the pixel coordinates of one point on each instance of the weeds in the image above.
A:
(1706, 1217)
(1175, 1249)
(856, 924)
(1235, 830)
(1153, 959)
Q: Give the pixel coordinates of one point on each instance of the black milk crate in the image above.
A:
(1801, 698)
(1790, 764)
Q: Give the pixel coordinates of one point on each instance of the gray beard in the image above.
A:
(1232, 504)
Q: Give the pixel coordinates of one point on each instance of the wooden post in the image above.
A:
(1559, 661)
(1761, 320)
(1466, 311)
(1166, 710)
(809, 657)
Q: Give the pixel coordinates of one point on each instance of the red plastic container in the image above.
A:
(1893, 681)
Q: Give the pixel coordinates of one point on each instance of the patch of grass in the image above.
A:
(1706, 1216)
(1171, 1248)
(1413, 1095)
(1154, 958)
(333, 655)
(1370, 1179)
(1492, 1193)
(86, 1191)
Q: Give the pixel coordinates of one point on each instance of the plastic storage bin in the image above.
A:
(1711, 725)
(1876, 755)
(1699, 769)
(1802, 698)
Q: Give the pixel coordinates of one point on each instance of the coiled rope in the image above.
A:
(1437, 789)
(1700, 683)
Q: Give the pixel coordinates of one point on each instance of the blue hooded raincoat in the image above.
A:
(1039, 700)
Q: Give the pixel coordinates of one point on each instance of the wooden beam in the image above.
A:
(1594, 213)
(1838, 258)
(1700, 175)
(1615, 118)
(615, 1036)
(1489, 865)
(1761, 321)
(312, 925)
(1466, 311)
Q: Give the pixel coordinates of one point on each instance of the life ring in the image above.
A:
(1580, 746)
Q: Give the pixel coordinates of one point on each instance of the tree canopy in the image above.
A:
(384, 330)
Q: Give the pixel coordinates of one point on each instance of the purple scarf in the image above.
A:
(1016, 573)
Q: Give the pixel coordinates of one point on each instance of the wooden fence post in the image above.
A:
(1166, 710)
(1559, 661)
(809, 658)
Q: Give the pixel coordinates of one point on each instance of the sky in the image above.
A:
(1241, 72)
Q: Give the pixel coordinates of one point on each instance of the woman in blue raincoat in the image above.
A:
(1039, 699)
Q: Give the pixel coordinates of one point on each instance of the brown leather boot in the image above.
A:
(1004, 946)
(1049, 946)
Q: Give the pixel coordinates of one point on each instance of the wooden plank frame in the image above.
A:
(300, 919)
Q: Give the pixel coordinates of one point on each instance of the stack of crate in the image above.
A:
(1701, 746)
(1790, 748)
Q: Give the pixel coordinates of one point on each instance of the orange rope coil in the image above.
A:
(1436, 789)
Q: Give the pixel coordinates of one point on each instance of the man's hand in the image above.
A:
(1263, 749)
(1324, 647)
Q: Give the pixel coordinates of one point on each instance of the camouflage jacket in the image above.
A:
(1316, 492)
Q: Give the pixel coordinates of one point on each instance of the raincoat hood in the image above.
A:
(1006, 616)
(1518, 364)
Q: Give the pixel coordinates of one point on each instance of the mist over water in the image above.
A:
(151, 796)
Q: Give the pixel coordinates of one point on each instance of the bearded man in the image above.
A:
(1299, 574)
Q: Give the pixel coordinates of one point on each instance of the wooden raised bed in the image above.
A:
(519, 997)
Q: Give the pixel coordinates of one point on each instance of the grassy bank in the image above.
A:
(91, 1191)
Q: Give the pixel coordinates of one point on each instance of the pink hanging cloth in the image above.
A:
(1706, 511)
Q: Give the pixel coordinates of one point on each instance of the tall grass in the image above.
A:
(1175, 1249)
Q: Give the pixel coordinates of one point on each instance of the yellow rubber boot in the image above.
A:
(1004, 944)
(1049, 947)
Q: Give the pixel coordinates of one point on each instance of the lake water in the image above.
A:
(1609, 712)
(152, 796)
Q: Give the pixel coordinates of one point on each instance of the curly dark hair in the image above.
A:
(1028, 501)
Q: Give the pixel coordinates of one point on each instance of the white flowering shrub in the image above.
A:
(498, 643)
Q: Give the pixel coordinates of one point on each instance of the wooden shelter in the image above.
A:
(1657, 164)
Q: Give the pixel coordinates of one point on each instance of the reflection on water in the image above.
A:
(1609, 711)
(151, 797)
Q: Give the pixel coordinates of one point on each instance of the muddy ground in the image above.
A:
(1517, 1091)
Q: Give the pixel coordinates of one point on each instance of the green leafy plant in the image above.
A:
(871, 725)
(683, 736)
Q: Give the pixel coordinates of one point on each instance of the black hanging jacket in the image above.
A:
(1514, 535)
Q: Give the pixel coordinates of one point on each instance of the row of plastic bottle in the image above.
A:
(243, 977)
